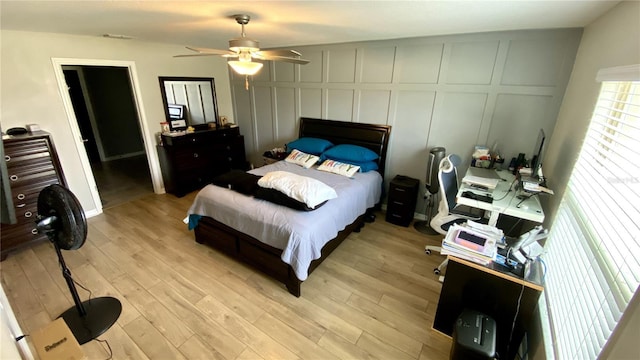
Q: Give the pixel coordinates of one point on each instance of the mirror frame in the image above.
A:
(165, 103)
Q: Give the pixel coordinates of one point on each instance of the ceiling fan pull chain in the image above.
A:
(246, 82)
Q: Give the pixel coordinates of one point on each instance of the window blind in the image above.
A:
(593, 249)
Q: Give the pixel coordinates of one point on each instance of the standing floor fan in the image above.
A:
(61, 218)
(436, 155)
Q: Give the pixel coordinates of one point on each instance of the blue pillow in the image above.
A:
(350, 153)
(366, 166)
(310, 145)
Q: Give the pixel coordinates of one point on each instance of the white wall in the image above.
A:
(611, 40)
(29, 90)
(453, 91)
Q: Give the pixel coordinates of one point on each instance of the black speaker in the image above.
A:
(436, 155)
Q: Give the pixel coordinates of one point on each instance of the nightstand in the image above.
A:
(269, 157)
(269, 160)
(401, 203)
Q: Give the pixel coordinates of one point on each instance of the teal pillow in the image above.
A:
(366, 166)
(350, 153)
(310, 145)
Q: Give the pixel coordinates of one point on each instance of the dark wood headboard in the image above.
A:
(370, 136)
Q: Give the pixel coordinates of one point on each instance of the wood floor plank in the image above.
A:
(344, 349)
(214, 334)
(167, 324)
(49, 294)
(121, 345)
(150, 340)
(23, 299)
(413, 330)
(383, 348)
(109, 269)
(90, 278)
(292, 339)
(246, 332)
(195, 349)
(374, 298)
(249, 354)
(126, 262)
(303, 311)
(369, 324)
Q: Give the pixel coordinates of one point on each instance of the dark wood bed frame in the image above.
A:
(267, 258)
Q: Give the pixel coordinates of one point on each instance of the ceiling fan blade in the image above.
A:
(210, 51)
(285, 53)
(192, 55)
(287, 59)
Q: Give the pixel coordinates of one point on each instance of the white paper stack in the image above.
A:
(481, 181)
(472, 241)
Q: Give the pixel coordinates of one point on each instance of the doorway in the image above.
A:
(106, 114)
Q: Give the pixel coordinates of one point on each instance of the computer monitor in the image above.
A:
(176, 111)
(536, 159)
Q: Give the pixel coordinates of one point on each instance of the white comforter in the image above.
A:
(300, 234)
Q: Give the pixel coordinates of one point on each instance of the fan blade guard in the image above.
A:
(71, 224)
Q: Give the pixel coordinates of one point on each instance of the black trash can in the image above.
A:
(474, 336)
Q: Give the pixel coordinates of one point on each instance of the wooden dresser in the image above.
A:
(190, 161)
(32, 164)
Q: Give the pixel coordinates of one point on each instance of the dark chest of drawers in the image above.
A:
(32, 164)
(190, 161)
(401, 203)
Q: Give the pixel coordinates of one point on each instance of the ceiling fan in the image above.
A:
(245, 50)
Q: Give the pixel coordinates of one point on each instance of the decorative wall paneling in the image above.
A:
(454, 91)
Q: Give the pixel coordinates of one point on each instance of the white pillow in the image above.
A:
(310, 191)
(339, 168)
(303, 159)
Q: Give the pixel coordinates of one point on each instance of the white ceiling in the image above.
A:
(291, 23)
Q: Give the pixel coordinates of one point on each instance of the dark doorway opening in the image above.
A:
(103, 103)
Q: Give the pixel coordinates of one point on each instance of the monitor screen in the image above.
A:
(536, 159)
(176, 111)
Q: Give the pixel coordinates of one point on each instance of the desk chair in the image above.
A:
(449, 212)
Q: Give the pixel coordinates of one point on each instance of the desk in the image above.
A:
(505, 201)
(494, 291)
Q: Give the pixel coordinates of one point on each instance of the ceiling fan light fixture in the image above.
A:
(244, 44)
(246, 68)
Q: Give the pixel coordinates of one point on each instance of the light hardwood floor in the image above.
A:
(119, 181)
(373, 298)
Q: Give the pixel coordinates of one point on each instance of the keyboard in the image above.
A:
(474, 196)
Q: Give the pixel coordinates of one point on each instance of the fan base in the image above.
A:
(101, 312)
(425, 228)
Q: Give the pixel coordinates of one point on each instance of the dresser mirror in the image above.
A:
(189, 101)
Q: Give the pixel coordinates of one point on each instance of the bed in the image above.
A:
(251, 234)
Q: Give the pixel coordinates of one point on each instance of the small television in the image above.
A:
(538, 153)
(176, 111)
(177, 116)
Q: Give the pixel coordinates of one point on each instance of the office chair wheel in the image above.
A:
(427, 251)
(436, 271)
